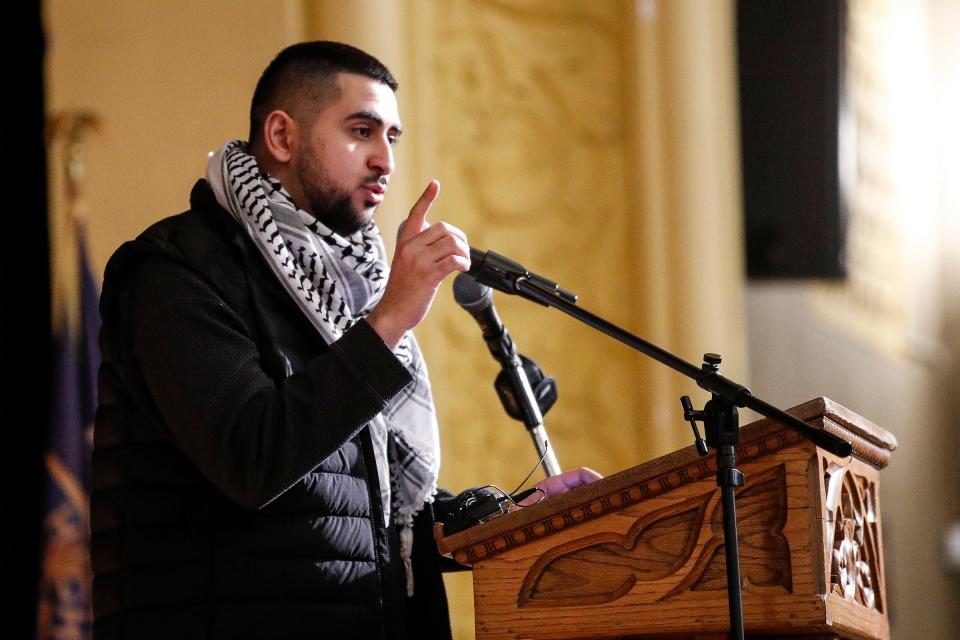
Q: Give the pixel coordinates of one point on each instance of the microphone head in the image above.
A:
(470, 294)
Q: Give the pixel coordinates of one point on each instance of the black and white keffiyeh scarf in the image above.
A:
(336, 280)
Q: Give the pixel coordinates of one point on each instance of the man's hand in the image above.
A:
(425, 255)
(555, 485)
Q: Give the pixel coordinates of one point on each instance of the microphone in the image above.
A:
(502, 273)
(477, 300)
(521, 401)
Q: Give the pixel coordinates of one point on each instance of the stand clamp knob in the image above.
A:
(691, 416)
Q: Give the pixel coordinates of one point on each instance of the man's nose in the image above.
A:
(381, 160)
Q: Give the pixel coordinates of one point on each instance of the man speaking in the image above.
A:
(266, 449)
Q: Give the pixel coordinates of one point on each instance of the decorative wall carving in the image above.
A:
(531, 142)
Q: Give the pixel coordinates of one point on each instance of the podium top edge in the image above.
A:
(871, 444)
(853, 422)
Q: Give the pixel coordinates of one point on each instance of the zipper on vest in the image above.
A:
(376, 511)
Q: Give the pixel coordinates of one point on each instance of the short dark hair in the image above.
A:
(306, 73)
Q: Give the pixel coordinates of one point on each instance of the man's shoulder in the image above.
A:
(191, 230)
(186, 236)
(184, 242)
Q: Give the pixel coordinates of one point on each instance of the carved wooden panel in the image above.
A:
(852, 524)
(649, 541)
(605, 566)
(764, 551)
(694, 470)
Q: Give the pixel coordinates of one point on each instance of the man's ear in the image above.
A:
(280, 136)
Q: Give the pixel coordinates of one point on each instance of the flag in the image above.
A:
(66, 579)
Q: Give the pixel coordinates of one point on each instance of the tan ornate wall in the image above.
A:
(549, 128)
(593, 142)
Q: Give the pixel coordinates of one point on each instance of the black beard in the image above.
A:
(326, 203)
(337, 213)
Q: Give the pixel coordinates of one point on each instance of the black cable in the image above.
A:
(516, 500)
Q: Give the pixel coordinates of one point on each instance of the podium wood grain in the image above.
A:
(640, 554)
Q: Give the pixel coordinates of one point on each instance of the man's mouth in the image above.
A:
(375, 192)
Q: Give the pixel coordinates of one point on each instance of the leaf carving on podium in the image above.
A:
(764, 551)
(604, 567)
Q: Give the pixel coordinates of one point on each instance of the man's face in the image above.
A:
(346, 157)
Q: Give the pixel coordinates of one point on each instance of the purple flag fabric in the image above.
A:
(65, 589)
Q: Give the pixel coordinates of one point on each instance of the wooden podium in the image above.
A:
(640, 553)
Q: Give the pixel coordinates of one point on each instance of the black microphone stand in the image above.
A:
(720, 416)
(516, 386)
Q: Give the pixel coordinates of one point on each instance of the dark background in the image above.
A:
(791, 65)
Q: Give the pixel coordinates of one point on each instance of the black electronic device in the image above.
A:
(475, 506)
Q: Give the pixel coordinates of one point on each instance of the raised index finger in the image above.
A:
(417, 219)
